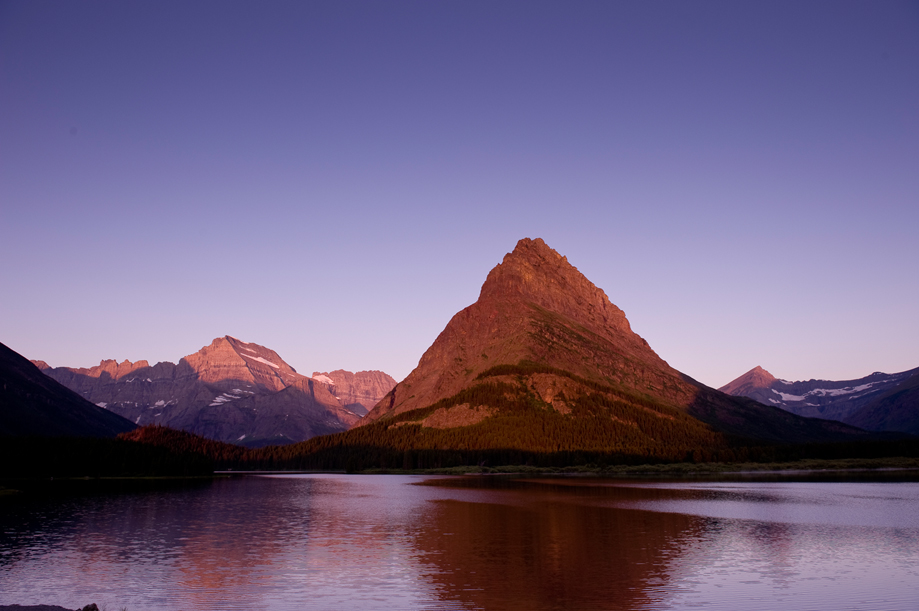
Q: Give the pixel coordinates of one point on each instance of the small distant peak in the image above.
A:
(755, 378)
(41, 364)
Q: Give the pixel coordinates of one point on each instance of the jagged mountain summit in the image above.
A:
(544, 362)
(230, 390)
(358, 392)
(878, 402)
(35, 405)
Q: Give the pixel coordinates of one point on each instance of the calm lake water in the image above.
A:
(341, 542)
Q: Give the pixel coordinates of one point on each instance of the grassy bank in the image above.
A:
(840, 465)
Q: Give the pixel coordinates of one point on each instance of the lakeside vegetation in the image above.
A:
(151, 454)
(68, 457)
(386, 447)
(827, 466)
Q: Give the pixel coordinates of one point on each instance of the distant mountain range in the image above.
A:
(878, 402)
(541, 365)
(34, 404)
(543, 362)
(231, 390)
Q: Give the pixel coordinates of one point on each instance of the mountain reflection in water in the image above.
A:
(546, 551)
(380, 542)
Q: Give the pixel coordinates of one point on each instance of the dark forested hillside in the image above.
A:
(31, 403)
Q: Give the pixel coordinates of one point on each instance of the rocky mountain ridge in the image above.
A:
(230, 390)
(855, 402)
(359, 391)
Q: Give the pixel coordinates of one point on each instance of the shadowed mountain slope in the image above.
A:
(897, 409)
(33, 404)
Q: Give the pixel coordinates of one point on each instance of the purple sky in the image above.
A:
(334, 180)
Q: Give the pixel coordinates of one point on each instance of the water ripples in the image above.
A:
(381, 542)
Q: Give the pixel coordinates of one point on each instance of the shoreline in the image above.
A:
(843, 466)
(809, 467)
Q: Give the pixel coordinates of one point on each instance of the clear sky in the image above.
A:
(334, 180)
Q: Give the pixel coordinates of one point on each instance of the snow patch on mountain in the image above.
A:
(224, 398)
(829, 392)
(788, 397)
(836, 392)
(261, 360)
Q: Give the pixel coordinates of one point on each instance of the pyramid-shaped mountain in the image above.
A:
(231, 390)
(754, 381)
(544, 364)
(535, 307)
(33, 404)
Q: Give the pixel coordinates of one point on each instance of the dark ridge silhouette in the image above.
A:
(33, 404)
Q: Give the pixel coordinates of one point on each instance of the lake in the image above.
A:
(368, 542)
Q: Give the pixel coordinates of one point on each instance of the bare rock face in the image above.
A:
(230, 390)
(228, 361)
(537, 274)
(360, 391)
